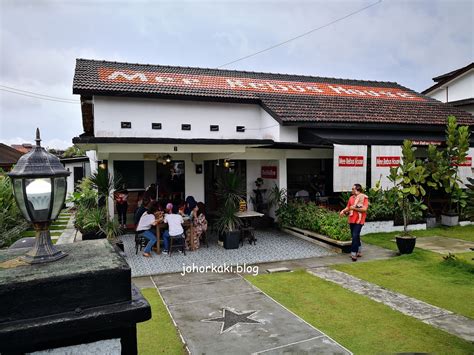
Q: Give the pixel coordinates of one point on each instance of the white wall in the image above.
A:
(70, 179)
(458, 89)
(109, 112)
(462, 88)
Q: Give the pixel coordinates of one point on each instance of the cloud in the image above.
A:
(404, 41)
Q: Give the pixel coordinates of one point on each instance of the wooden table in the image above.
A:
(162, 226)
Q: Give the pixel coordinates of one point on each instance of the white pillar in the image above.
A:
(92, 155)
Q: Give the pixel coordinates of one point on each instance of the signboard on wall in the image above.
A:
(268, 172)
(349, 167)
(384, 157)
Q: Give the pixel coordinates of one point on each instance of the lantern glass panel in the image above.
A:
(59, 196)
(38, 195)
(20, 200)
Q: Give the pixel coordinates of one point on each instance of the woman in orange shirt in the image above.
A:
(356, 220)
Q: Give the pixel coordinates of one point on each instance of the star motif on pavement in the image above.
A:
(230, 319)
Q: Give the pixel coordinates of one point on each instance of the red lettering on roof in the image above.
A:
(253, 85)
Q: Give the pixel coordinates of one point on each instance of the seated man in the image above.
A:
(175, 227)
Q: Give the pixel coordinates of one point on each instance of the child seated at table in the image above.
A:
(175, 227)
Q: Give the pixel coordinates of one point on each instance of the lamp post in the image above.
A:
(39, 185)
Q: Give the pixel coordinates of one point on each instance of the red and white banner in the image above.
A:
(466, 168)
(350, 166)
(384, 157)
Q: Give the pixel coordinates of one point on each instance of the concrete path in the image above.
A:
(225, 314)
(444, 245)
(68, 236)
(460, 326)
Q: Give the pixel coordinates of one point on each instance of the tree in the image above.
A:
(442, 165)
(73, 151)
(408, 179)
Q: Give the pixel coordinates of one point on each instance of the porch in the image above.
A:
(272, 245)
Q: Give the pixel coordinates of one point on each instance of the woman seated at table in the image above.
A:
(145, 224)
(175, 227)
(199, 225)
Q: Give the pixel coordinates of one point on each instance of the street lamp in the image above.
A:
(39, 185)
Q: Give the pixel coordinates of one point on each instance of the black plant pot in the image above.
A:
(231, 240)
(120, 245)
(93, 235)
(406, 244)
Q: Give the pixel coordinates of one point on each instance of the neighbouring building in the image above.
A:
(181, 127)
(455, 88)
(79, 167)
(24, 148)
(8, 157)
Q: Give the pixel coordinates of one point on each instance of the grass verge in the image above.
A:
(458, 232)
(31, 233)
(423, 275)
(158, 335)
(358, 323)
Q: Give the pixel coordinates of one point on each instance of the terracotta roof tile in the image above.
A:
(289, 98)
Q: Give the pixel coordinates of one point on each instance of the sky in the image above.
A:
(405, 41)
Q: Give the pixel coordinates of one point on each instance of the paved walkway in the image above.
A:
(69, 234)
(225, 314)
(460, 326)
(442, 245)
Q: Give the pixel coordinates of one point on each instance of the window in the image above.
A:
(156, 126)
(214, 128)
(240, 129)
(185, 127)
(131, 173)
(126, 124)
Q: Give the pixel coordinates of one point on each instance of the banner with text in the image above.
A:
(384, 157)
(349, 167)
(465, 169)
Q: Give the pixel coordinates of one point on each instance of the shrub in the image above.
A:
(314, 218)
(10, 215)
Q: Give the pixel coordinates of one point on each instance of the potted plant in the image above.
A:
(230, 189)
(442, 167)
(91, 205)
(408, 178)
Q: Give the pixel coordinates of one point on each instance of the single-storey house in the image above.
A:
(8, 157)
(181, 127)
(79, 167)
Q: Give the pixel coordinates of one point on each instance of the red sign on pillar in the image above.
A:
(269, 172)
(351, 160)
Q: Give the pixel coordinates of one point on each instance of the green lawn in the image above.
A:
(423, 275)
(158, 335)
(31, 233)
(358, 323)
(465, 233)
(385, 239)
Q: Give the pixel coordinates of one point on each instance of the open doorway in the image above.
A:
(213, 169)
(170, 179)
